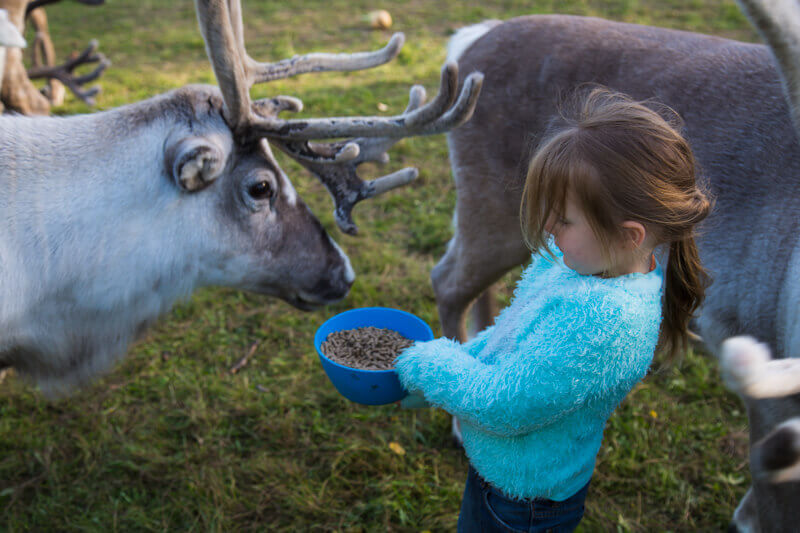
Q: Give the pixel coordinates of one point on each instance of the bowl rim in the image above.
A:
(362, 309)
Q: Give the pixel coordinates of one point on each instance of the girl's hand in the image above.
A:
(414, 400)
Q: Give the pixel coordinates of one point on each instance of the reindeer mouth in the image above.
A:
(303, 304)
(309, 302)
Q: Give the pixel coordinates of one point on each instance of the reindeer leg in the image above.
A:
(745, 517)
(483, 311)
(487, 241)
(44, 55)
(466, 272)
(18, 93)
(748, 369)
(776, 457)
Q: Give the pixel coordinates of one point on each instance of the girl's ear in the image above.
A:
(633, 233)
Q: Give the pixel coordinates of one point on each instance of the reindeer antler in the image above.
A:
(333, 163)
(64, 72)
(221, 26)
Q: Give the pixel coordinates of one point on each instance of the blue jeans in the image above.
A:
(485, 509)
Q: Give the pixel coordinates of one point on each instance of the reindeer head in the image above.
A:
(294, 257)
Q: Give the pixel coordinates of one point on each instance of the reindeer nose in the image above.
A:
(333, 288)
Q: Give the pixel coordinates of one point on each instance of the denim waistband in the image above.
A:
(539, 502)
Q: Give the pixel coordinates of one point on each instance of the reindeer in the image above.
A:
(730, 96)
(19, 94)
(181, 191)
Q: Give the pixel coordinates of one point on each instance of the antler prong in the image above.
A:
(444, 99)
(269, 107)
(390, 181)
(264, 72)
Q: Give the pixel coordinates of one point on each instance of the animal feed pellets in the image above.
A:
(366, 348)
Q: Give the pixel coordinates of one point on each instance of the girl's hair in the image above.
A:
(620, 160)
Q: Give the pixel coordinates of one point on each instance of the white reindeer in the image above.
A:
(739, 124)
(107, 219)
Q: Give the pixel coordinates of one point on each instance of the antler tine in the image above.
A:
(403, 125)
(256, 72)
(264, 72)
(778, 22)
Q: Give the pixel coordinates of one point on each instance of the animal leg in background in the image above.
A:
(749, 370)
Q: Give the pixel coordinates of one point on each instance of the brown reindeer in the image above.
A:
(739, 123)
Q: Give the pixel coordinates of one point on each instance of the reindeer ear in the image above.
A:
(194, 162)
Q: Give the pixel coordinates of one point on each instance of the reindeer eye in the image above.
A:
(261, 190)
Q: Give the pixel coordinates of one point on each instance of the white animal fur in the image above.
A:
(748, 369)
(98, 240)
(66, 279)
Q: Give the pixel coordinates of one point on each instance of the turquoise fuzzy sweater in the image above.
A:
(534, 391)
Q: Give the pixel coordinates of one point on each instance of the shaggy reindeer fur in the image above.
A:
(101, 234)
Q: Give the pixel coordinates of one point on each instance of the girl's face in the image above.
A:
(575, 238)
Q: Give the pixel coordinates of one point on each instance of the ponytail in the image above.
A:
(684, 290)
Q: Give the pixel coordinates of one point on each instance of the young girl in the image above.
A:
(534, 391)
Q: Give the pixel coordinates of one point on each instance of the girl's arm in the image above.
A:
(476, 343)
(529, 389)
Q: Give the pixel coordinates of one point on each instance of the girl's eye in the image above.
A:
(261, 190)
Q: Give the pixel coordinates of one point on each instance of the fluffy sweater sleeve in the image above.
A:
(561, 353)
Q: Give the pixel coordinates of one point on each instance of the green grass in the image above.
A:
(171, 440)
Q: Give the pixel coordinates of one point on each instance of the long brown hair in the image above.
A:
(621, 160)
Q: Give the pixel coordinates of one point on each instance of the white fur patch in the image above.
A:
(9, 34)
(287, 188)
(349, 273)
(747, 368)
(464, 37)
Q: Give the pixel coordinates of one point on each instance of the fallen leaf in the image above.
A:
(396, 448)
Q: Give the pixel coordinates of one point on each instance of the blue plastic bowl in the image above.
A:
(369, 387)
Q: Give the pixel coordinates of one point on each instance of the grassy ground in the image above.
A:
(171, 440)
